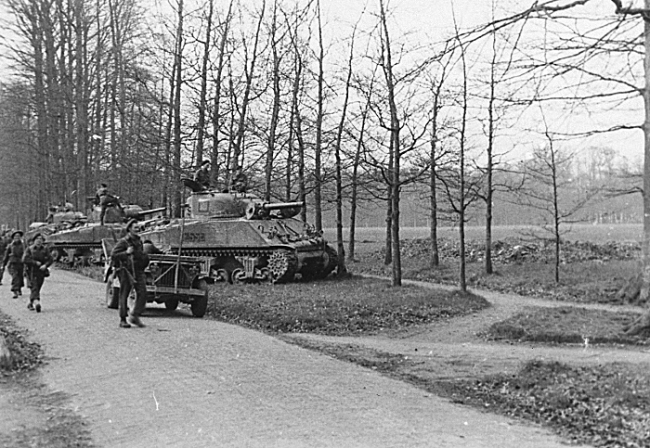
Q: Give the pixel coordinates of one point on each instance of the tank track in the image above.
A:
(227, 252)
(281, 265)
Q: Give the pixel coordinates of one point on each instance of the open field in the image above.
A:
(366, 236)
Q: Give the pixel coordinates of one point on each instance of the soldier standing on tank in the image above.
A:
(105, 199)
(13, 259)
(51, 210)
(130, 260)
(202, 175)
(240, 181)
(37, 260)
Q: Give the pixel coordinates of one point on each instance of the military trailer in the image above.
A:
(171, 279)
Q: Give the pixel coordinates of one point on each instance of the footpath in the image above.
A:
(188, 382)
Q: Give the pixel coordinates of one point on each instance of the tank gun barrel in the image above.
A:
(280, 205)
(151, 211)
(261, 210)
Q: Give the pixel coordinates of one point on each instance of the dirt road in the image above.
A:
(187, 382)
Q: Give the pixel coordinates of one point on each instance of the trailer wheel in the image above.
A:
(200, 303)
(171, 304)
(112, 293)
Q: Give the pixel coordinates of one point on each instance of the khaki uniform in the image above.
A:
(13, 259)
(34, 258)
(130, 271)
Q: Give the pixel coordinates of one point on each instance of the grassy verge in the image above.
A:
(339, 307)
(605, 406)
(53, 424)
(566, 325)
(26, 356)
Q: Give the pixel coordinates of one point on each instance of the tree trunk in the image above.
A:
(434, 257)
(204, 85)
(318, 180)
(176, 154)
(642, 324)
(355, 174)
(237, 157)
(275, 108)
(216, 113)
(341, 268)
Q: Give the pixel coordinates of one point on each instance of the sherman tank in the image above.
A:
(77, 239)
(245, 238)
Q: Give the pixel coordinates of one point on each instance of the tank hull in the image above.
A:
(248, 250)
(79, 244)
(74, 239)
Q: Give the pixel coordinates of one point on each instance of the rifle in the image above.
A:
(108, 270)
(132, 272)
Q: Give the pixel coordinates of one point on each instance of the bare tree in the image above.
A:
(436, 153)
(176, 108)
(341, 268)
(357, 157)
(216, 110)
(320, 104)
(548, 189)
(276, 38)
(204, 83)
(249, 75)
(584, 49)
(394, 129)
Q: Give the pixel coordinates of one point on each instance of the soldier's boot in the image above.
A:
(135, 320)
(124, 323)
(37, 306)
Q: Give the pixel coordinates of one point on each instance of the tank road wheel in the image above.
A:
(112, 293)
(282, 266)
(225, 268)
(171, 304)
(220, 275)
(200, 303)
(238, 276)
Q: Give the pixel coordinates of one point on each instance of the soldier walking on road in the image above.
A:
(13, 259)
(37, 260)
(130, 261)
(3, 248)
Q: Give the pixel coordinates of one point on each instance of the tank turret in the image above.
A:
(120, 215)
(210, 204)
